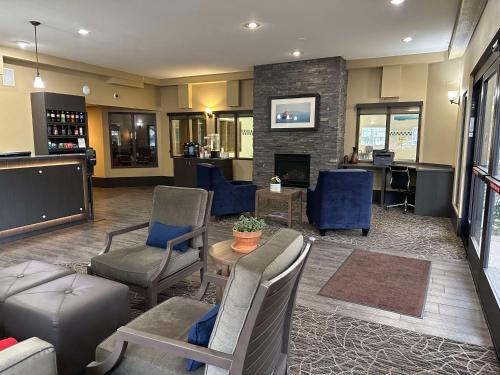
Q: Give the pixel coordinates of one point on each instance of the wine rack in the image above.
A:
(60, 123)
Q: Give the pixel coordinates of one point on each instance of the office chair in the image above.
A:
(400, 181)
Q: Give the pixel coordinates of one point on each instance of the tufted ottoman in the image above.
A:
(24, 276)
(74, 313)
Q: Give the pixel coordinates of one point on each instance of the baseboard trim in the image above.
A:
(111, 182)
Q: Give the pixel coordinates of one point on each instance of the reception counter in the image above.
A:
(41, 193)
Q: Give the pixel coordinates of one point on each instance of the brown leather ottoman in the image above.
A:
(74, 313)
(24, 276)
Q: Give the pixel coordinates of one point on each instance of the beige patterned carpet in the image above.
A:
(392, 231)
(330, 343)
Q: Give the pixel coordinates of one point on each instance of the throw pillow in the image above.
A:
(160, 234)
(200, 333)
(6, 343)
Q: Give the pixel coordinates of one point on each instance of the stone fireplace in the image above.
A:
(325, 146)
(293, 170)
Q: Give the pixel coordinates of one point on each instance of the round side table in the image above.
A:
(224, 259)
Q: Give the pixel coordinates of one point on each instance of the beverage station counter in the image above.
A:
(41, 193)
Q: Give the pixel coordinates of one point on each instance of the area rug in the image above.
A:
(330, 343)
(387, 282)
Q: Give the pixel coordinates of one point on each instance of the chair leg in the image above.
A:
(151, 297)
(365, 231)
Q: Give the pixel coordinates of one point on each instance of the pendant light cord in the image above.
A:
(35, 24)
(36, 53)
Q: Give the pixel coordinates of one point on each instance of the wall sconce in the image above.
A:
(453, 97)
(208, 112)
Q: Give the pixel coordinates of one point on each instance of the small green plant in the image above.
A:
(249, 224)
(275, 180)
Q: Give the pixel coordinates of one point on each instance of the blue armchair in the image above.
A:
(342, 199)
(230, 198)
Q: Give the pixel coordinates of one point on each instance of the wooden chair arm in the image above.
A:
(110, 235)
(170, 246)
(176, 347)
(126, 335)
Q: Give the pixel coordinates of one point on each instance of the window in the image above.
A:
(487, 121)
(236, 133)
(493, 254)
(133, 140)
(392, 126)
(186, 127)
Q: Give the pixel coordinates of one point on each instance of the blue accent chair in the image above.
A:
(342, 199)
(230, 198)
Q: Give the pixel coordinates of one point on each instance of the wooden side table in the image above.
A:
(287, 195)
(224, 259)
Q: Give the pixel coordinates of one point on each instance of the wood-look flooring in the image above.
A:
(452, 308)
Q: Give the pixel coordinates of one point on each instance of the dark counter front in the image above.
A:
(40, 193)
(185, 170)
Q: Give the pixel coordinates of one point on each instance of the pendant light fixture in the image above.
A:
(38, 82)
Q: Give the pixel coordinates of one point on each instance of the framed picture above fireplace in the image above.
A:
(294, 112)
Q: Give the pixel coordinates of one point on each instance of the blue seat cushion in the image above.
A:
(160, 234)
(200, 333)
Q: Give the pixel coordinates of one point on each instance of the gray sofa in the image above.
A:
(31, 356)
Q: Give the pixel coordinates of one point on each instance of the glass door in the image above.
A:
(483, 248)
(481, 168)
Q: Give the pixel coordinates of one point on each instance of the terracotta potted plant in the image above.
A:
(275, 184)
(247, 232)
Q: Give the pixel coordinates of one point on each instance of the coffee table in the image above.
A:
(286, 195)
(224, 259)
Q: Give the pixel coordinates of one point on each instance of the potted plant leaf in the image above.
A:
(275, 184)
(247, 232)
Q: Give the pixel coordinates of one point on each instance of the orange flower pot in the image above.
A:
(246, 242)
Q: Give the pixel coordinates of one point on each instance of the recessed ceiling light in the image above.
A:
(22, 44)
(408, 39)
(252, 25)
(83, 32)
(296, 53)
(397, 2)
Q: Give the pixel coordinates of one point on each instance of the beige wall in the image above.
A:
(16, 131)
(440, 134)
(423, 81)
(426, 82)
(485, 31)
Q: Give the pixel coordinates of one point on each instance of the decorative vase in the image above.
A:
(354, 156)
(246, 242)
(275, 188)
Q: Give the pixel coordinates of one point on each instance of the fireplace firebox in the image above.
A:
(293, 169)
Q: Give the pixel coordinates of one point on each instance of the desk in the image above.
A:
(433, 185)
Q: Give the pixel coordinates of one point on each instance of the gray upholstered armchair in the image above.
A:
(150, 269)
(31, 356)
(251, 332)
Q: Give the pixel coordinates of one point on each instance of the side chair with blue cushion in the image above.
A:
(342, 199)
(230, 198)
(176, 246)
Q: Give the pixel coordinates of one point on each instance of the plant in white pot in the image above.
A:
(275, 184)
(247, 232)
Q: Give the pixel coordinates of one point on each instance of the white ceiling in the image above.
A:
(174, 38)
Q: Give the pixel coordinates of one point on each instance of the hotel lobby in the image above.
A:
(259, 188)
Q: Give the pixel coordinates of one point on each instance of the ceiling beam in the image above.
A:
(13, 55)
(469, 14)
(421, 58)
(209, 78)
